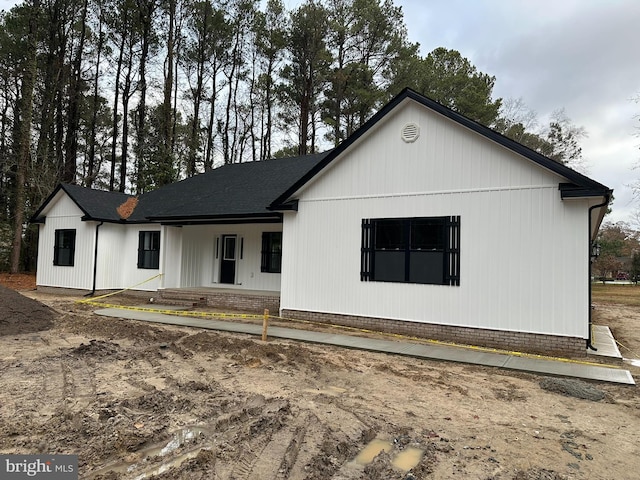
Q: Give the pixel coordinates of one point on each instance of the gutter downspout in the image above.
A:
(607, 198)
(95, 263)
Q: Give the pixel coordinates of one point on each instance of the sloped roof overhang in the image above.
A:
(268, 217)
(581, 184)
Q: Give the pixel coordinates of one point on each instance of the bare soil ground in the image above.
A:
(136, 400)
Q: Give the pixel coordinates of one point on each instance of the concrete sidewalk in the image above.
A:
(417, 350)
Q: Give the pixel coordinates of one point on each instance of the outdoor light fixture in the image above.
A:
(595, 250)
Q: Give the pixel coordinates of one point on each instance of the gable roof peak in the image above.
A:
(100, 205)
(587, 186)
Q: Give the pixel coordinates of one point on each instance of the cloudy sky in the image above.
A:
(580, 55)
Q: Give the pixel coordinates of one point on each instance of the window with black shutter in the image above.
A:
(149, 250)
(64, 248)
(271, 261)
(422, 250)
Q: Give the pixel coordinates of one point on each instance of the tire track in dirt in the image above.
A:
(343, 419)
(280, 410)
(307, 446)
(52, 385)
(248, 455)
(281, 452)
(290, 455)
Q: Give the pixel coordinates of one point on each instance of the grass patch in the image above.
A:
(622, 294)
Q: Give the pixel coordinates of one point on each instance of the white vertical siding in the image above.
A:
(524, 251)
(117, 251)
(171, 239)
(111, 247)
(200, 267)
(197, 246)
(63, 213)
(118, 258)
(446, 157)
(128, 254)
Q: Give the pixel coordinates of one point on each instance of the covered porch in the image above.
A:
(223, 261)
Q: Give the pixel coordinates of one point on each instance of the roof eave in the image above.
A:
(570, 190)
(226, 216)
(571, 175)
(291, 206)
(89, 218)
(38, 213)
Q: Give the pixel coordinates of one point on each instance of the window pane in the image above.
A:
(414, 250)
(149, 250)
(271, 261)
(389, 235)
(152, 259)
(276, 243)
(389, 266)
(64, 256)
(64, 248)
(229, 248)
(427, 234)
(276, 260)
(275, 249)
(426, 267)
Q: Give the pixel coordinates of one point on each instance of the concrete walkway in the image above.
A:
(418, 350)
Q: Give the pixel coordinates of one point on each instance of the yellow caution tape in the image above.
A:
(90, 300)
(452, 344)
(627, 349)
(190, 313)
(180, 313)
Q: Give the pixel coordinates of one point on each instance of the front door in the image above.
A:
(228, 262)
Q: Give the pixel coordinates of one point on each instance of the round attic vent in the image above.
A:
(410, 132)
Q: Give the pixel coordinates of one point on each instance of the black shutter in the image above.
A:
(154, 261)
(452, 252)
(141, 249)
(72, 247)
(56, 247)
(264, 262)
(366, 250)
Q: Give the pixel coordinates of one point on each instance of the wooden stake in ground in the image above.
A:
(265, 325)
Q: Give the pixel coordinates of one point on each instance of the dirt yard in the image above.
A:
(135, 400)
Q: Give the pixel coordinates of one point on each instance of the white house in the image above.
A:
(422, 222)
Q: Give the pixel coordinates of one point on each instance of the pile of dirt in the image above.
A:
(572, 388)
(19, 314)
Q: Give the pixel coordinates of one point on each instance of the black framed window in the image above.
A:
(411, 250)
(64, 248)
(149, 250)
(271, 252)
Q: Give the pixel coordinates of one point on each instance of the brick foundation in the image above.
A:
(499, 339)
(249, 303)
(242, 301)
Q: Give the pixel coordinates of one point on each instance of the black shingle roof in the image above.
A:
(95, 204)
(239, 190)
(233, 191)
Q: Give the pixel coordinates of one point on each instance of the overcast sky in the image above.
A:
(580, 55)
